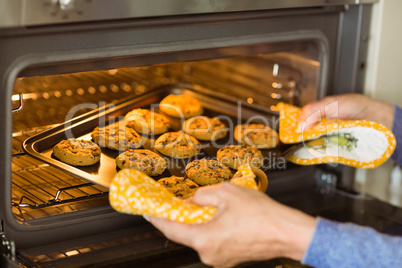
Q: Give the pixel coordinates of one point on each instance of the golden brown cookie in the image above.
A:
(181, 106)
(117, 136)
(146, 122)
(258, 135)
(143, 160)
(234, 156)
(77, 152)
(179, 186)
(205, 128)
(178, 145)
(207, 171)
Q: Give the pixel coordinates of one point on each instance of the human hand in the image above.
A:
(347, 107)
(248, 226)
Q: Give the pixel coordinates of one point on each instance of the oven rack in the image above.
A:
(39, 186)
(41, 190)
(57, 200)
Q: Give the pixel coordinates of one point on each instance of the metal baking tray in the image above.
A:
(230, 110)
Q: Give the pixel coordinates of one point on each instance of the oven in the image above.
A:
(64, 63)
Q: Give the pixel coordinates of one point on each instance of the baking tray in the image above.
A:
(230, 110)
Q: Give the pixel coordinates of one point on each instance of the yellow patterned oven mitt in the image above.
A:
(357, 143)
(133, 192)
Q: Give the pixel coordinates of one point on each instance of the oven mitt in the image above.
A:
(133, 192)
(356, 143)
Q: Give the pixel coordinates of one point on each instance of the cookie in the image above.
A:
(181, 106)
(179, 186)
(258, 135)
(142, 160)
(77, 152)
(146, 122)
(207, 171)
(205, 128)
(235, 156)
(178, 145)
(117, 136)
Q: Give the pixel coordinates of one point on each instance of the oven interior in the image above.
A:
(262, 79)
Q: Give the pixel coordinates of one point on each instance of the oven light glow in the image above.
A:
(277, 85)
(276, 96)
(80, 91)
(64, 2)
(84, 250)
(112, 71)
(125, 87)
(46, 95)
(114, 88)
(26, 96)
(92, 90)
(57, 94)
(72, 253)
(250, 100)
(103, 89)
(275, 69)
(140, 89)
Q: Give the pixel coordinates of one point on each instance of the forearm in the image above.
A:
(296, 231)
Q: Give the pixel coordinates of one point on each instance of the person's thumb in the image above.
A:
(309, 116)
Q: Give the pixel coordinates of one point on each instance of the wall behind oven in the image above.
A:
(384, 82)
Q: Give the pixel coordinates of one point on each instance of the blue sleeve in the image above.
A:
(397, 130)
(349, 245)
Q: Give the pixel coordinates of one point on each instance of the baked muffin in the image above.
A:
(205, 128)
(257, 135)
(207, 171)
(181, 106)
(146, 122)
(179, 186)
(117, 136)
(178, 145)
(77, 152)
(235, 156)
(143, 160)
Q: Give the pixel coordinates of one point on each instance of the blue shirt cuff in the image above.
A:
(349, 245)
(397, 130)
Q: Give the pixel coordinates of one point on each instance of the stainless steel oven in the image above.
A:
(64, 62)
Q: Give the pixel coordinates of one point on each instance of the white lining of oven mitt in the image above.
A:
(375, 143)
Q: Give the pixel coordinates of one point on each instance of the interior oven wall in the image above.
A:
(51, 50)
(263, 79)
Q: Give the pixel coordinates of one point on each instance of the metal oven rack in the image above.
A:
(40, 190)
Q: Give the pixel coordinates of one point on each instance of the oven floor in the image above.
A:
(149, 248)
